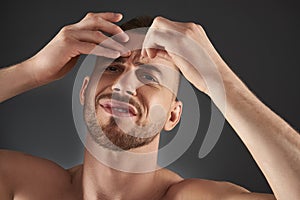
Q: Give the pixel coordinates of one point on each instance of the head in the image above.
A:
(128, 101)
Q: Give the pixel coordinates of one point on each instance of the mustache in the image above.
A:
(121, 98)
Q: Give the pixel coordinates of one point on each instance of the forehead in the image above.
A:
(135, 44)
(162, 60)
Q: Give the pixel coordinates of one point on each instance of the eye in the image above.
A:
(147, 78)
(113, 69)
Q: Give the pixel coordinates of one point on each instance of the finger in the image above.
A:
(99, 38)
(151, 52)
(144, 52)
(96, 22)
(112, 44)
(161, 22)
(90, 48)
(104, 26)
(181, 27)
(106, 52)
(110, 16)
(114, 30)
(150, 46)
(147, 43)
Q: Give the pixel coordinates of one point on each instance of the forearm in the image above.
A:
(15, 80)
(59, 56)
(274, 145)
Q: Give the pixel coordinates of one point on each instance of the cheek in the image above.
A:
(103, 83)
(157, 102)
(163, 97)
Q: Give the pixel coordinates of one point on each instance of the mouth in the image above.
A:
(118, 108)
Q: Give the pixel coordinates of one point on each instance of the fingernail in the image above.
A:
(118, 15)
(126, 54)
(124, 37)
(121, 37)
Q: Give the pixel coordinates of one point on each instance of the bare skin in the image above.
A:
(42, 179)
(275, 146)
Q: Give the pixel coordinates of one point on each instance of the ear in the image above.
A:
(83, 88)
(174, 116)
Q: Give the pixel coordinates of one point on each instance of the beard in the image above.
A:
(109, 135)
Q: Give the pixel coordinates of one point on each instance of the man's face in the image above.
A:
(131, 101)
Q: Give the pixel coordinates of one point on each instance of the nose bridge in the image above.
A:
(127, 82)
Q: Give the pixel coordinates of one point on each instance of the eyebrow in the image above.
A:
(140, 65)
(120, 60)
(150, 67)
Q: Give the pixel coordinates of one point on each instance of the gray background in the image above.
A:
(258, 39)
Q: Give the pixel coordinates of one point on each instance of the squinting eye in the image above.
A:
(148, 78)
(112, 69)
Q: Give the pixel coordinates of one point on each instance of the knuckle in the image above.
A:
(116, 29)
(97, 34)
(94, 18)
(188, 31)
(192, 26)
(92, 46)
(90, 15)
(99, 37)
(66, 29)
(65, 32)
(158, 19)
(65, 35)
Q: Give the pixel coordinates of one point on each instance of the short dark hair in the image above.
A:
(137, 22)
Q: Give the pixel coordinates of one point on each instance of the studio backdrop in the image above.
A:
(259, 40)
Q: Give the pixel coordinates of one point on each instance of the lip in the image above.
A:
(118, 108)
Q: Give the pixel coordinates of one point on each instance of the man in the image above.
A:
(274, 145)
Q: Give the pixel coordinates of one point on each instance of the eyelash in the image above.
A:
(153, 79)
(114, 71)
(141, 75)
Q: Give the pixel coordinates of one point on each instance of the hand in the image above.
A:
(188, 46)
(60, 55)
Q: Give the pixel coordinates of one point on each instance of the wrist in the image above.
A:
(15, 80)
(27, 75)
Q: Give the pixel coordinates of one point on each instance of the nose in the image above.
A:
(127, 84)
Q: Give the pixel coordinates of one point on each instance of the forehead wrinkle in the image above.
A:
(131, 59)
(136, 59)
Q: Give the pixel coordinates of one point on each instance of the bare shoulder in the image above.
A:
(16, 163)
(21, 173)
(169, 175)
(195, 189)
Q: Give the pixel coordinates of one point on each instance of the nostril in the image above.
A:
(129, 92)
(116, 89)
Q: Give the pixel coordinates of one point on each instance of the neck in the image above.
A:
(119, 175)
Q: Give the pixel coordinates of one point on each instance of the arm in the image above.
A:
(274, 145)
(8, 76)
(49, 64)
(192, 189)
(21, 176)
(60, 55)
